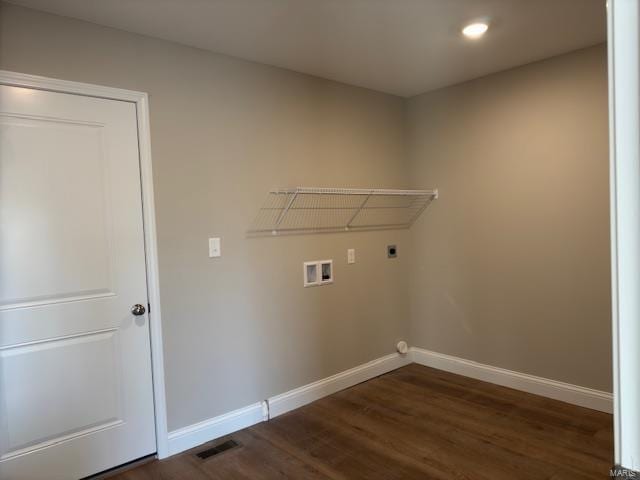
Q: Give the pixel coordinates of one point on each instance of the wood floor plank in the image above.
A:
(451, 446)
(350, 451)
(412, 423)
(539, 423)
(447, 423)
(482, 421)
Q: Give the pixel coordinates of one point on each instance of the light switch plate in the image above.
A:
(351, 255)
(214, 247)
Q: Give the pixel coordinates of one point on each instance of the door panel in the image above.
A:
(40, 413)
(67, 239)
(75, 373)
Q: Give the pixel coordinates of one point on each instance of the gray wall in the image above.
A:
(242, 328)
(511, 266)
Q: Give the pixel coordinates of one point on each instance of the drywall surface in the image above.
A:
(241, 328)
(510, 267)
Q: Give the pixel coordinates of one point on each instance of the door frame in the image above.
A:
(623, 30)
(141, 101)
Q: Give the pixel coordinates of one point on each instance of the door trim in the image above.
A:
(141, 100)
(623, 27)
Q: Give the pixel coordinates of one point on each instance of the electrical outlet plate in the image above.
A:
(214, 247)
(351, 255)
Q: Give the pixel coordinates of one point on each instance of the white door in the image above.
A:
(75, 369)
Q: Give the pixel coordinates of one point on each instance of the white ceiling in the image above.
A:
(403, 47)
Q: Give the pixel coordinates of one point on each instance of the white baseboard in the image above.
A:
(207, 430)
(565, 392)
(314, 391)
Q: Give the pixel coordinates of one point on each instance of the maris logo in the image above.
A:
(623, 473)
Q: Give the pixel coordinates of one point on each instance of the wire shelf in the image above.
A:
(316, 210)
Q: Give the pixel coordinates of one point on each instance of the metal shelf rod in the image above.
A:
(353, 217)
(352, 191)
(322, 209)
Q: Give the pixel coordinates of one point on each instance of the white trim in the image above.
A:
(141, 100)
(298, 397)
(207, 430)
(153, 276)
(613, 236)
(624, 117)
(66, 86)
(565, 392)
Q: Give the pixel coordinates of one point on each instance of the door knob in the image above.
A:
(138, 309)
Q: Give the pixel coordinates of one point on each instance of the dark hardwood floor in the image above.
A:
(412, 423)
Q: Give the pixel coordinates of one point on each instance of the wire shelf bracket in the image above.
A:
(316, 210)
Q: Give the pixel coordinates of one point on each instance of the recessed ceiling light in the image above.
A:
(475, 30)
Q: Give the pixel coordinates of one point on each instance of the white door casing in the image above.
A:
(76, 393)
(624, 140)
